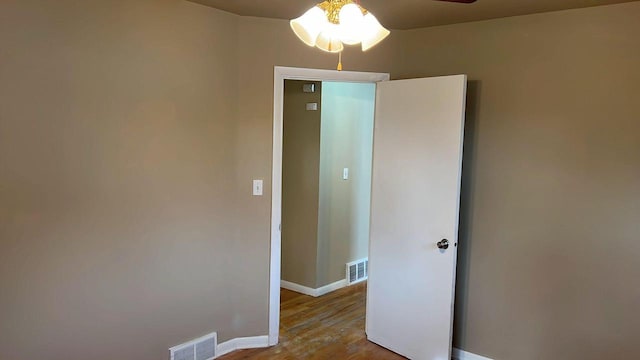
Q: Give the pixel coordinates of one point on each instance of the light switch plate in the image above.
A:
(345, 174)
(257, 187)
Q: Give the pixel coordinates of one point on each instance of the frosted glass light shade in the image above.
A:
(308, 26)
(351, 22)
(372, 32)
(329, 41)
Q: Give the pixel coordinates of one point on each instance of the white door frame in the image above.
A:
(280, 75)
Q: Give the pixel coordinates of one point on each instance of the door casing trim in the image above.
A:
(280, 75)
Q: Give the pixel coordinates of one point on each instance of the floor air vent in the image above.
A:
(357, 271)
(203, 348)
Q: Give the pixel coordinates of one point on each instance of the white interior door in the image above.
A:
(417, 164)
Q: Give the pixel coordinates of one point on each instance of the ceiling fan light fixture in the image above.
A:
(333, 23)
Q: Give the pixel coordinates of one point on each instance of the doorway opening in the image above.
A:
(326, 196)
(338, 81)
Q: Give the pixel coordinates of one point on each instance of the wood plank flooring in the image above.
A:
(327, 327)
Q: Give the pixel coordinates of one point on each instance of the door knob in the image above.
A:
(444, 244)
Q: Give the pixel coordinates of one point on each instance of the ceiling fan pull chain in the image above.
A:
(340, 61)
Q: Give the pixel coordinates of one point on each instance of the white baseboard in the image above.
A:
(332, 287)
(297, 288)
(463, 355)
(313, 292)
(253, 342)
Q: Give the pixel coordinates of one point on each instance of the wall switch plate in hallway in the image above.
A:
(345, 174)
(257, 187)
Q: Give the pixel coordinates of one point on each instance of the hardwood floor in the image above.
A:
(327, 327)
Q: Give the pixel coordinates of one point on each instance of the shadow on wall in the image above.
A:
(466, 207)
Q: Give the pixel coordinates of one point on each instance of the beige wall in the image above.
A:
(345, 205)
(300, 183)
(130, 132)
(116, 178)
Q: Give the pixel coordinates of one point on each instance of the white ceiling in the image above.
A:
(410, 14)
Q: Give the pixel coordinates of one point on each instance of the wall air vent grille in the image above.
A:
(186, 353)
(206, 349)
(203, 348)
(357, 271)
